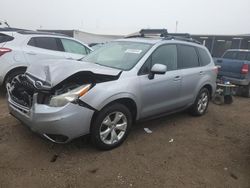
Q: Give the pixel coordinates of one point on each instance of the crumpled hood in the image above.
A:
(53, 72)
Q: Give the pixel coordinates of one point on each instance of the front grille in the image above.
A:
(22, 91)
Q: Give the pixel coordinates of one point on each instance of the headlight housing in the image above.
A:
(63, 99)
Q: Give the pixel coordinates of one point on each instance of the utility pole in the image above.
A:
(176, 26)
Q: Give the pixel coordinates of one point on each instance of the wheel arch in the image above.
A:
(20, 68)
(126, 101)
(209, 88)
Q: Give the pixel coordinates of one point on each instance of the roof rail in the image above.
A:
(12, 29)
(181, 36)
(163, 33)
(30, 32)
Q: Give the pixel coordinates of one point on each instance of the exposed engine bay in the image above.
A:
(23, 87)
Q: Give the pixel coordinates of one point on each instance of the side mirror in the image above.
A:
(157, 69)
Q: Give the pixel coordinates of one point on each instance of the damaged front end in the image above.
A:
(54, 112)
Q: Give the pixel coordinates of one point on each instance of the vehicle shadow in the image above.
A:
(84, 143)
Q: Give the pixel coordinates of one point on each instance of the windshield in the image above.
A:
(121, 54)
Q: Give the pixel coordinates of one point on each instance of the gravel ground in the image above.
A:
(209, 151)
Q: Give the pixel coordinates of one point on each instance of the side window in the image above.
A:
(73, 47)
(48, 43)
(204, 57)
(187, 57)
(166, 55)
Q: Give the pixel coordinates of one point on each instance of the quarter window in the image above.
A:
(187, 57)
(5, 38)
(204, 57)
(73, 47)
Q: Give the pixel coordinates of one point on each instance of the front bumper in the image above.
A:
(68, 122)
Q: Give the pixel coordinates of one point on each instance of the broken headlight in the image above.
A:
(70, 96)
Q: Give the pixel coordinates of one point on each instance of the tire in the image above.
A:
(114, 123)
(200, 105)
(12, 75)
(228, 99)
(246, 91)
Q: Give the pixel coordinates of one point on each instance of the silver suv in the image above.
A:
(123, 81)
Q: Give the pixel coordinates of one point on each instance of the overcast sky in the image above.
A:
(128, 16)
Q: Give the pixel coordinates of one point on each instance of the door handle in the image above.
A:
(31, 53)
(176, 78)
(69, 58)
(201, 72)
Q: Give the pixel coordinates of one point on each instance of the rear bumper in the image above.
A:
(241, 82)
(68, 122)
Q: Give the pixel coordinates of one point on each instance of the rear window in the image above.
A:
(48, 43)
(5, 38)
(204, 57)
(242, 56)
(230, 55)
(248, 56)
(187, 57)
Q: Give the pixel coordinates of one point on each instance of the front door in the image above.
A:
(162, 93)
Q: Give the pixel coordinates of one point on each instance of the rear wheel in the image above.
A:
(111, 127)
(200, 105)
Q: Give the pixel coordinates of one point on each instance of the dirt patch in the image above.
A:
(209, 151)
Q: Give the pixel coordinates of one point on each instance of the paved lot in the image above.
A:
(210, 151)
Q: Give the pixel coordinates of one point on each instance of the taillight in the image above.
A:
(216, 69)
(245, 69)
(4, 51)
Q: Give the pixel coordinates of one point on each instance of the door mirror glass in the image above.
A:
(157, 69)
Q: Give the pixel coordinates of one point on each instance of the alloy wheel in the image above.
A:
(113, 128)
(202, 102)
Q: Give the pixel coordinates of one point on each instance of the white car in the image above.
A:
(20, 48)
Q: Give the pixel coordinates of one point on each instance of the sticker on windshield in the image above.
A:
(133, 51)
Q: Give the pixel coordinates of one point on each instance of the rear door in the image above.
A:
(73, 49)
(188, 62)
(39, 48)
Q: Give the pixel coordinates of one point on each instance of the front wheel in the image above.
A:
(200, 105)
(111, 126)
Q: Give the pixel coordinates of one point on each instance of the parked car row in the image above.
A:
(21, 48)
(121, 82)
